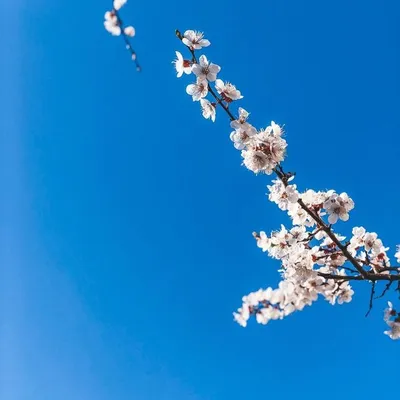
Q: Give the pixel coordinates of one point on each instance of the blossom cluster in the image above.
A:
(315, 261)
(261, 151)
(392, 318)
(310, 261)
(114, 25)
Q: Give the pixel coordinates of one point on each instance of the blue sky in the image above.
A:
(127, 217)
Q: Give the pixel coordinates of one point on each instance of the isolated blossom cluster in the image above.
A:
(112, 22)
(114, 25)
(314, 260)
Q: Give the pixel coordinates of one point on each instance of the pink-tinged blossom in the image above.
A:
(227, 91)
(243, 132)
(181, 65)
(241, 123)
(394, 331)
(338, 207)
(195, 40)
(206, 70)
(198, 90)
(371, 242)
(397, 255)
(263, 241)
(117, 4)
(282, 195)
(392, 318)
(111, 23)
(208, 109)
(241, 138)
(265, 152)
(130, 31)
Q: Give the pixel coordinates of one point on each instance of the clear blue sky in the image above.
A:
(126, 217)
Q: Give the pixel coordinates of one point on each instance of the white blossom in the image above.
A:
(338, 206)
(255, 161)
(282, 195)
(241, 138)
(208, 109)
(371, 242)
(198, 90)
(195, 40)
(392, 318)
(227, 91)
(394, 332)
(397, 255)
(263, 241)
(241, 123)
(206, 70)
(346, 293)
(265, 151)
(130, 31)
(117, 4)
(242, 315)
(181, 65)
(389, 312)
(299, 216)
(111, 23)
(357, 240)
(243, 131)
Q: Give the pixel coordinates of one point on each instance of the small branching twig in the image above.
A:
(387, 287)
(114, 25)
(371, 299)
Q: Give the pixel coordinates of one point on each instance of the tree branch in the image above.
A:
(321, 225)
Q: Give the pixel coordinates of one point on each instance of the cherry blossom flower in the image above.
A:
(371, 242)
(117, 4)
(206, 70)
(389, 312)
(397, 255)
(262, 241)
(392, 318)
(299, 216)
(282, 195)
(243, 132)
(242, 315)
(254, 160)
(198, 90)
(346, 294)
(181, 65)
(227, 91)
(241, 138)
(265, 152)
(111, 23)
(394, 332)
(357, 240)
(208, 109)
(338, 207)
(130, 31)
(276, 129)
(241, 123)
(195, 40)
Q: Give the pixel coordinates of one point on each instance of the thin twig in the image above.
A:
(127, 41)
(371, 299)
(387, 287)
